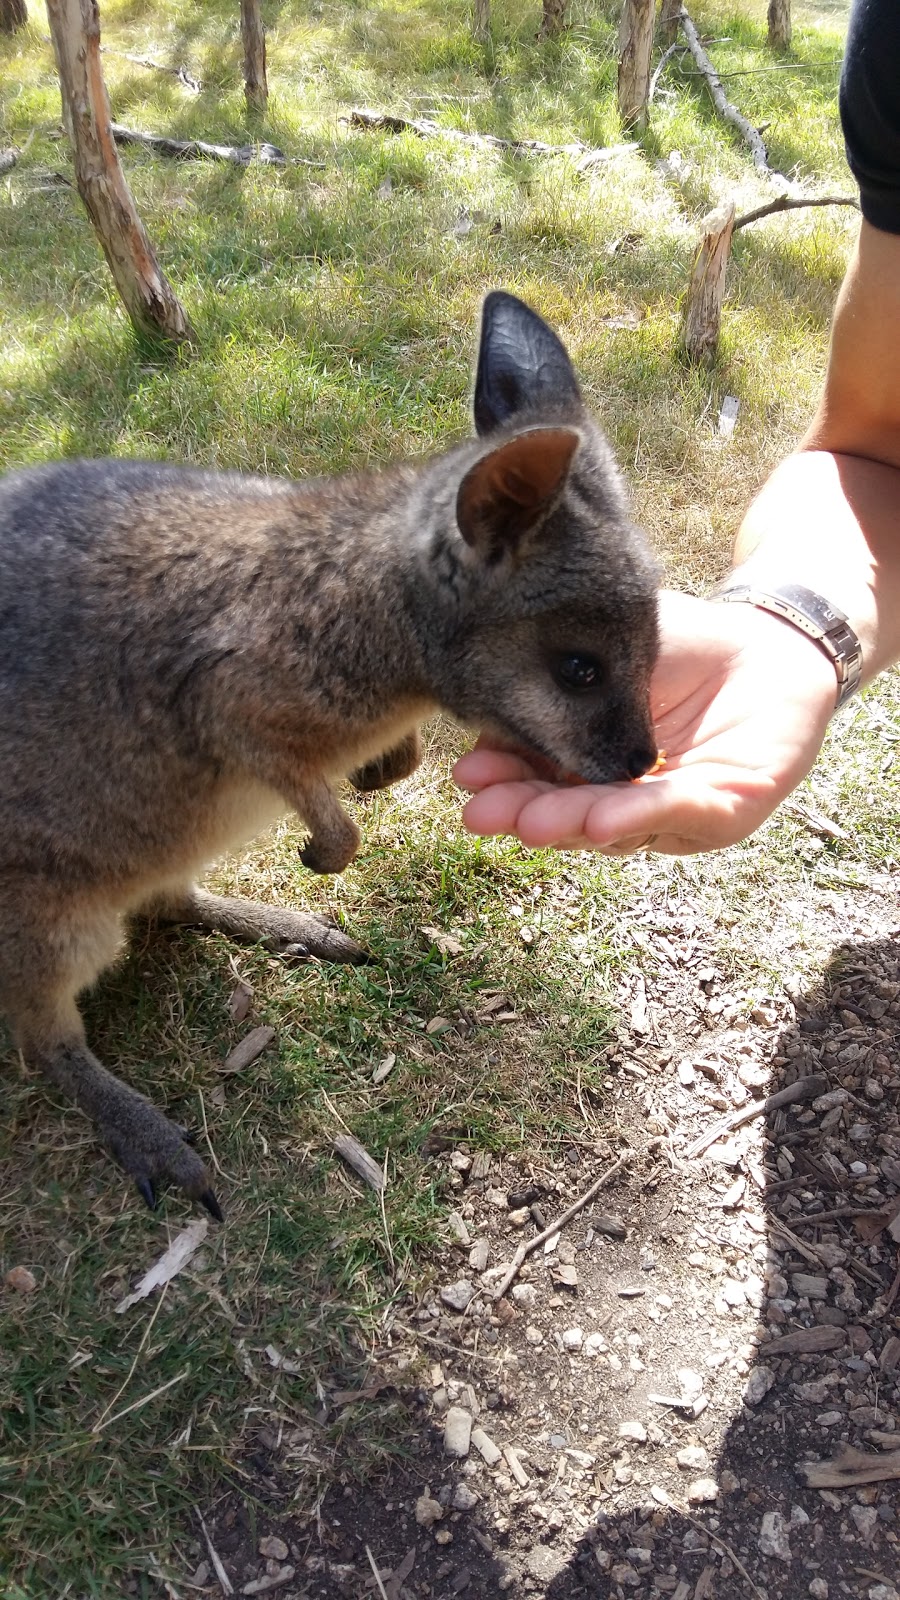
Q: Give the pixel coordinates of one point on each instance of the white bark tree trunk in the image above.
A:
(155, 311)
(667, 27)
(256, 86)
(481, 20)
(635, 47)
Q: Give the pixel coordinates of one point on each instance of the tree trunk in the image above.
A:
(13, 15)
(779, 24)
(635, 46)
(256, 87)
(706, 290)
(553, 19)
(481, 20)
(153, 308)
(667, 27)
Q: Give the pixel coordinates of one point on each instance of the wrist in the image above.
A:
(812, 615)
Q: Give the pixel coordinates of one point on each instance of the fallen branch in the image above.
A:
(723, 105)
(181, 73)
(351, 1151)
(786, 202)
(197, 149)
(850, 1467)
(525, 1250)
(661, 65)
(424, 128)
(804, 1089)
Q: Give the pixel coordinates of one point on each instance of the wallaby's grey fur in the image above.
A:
(185, 654)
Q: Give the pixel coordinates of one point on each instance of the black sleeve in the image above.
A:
(870, 109)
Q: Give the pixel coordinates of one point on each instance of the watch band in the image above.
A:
(814, 616)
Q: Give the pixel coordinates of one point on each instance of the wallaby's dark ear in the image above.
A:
(502, 497)
(521, 364)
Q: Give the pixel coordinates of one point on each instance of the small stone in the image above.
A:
(464, 1498)
(693, 1458)
(457, 1432)
(809, 1285)
(457, 1295)
(428, 1511)
(733, 1292)
(573, 1338)
(686, 1074)
(612, 1227)
(703, 1491)
(729, 1482)
(690, 1383)
(634, 1431)
(595, 1344)
(458, 1228)
(518, 1218)
(443, 1536)
(479, 1255)
(545, 1563)
(773, 1537)
(524, 1294)
(534, 1335)
(866, 1520)
(758, 1385)
(273, 1548)
(273, 1580)
(20, 1279)
(728, 1152)
(753, 1075)
(882, 1591)
(818, 1589)
(829, 1419)
(625, 1574)
(486, 1447)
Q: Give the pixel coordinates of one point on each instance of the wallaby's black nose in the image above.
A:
(640, 760)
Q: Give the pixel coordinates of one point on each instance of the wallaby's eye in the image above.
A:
(578, 672)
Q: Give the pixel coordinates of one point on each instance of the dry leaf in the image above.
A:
(359, 1159)
(174, 1260)
(383, 1068)
(438, 1025)
(246, 1051)
(240, 1001)
(444, 942)
(282, 1363)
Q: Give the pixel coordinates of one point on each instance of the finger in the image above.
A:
(497, 808)
(478, 768)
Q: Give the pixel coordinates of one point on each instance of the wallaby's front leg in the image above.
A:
(296, 932)
(390, 767)
(333, 838)
(146, 1145)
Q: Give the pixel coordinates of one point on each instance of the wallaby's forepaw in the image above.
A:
(152, 1150)
(329, 853)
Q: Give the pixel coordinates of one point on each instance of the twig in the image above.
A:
(786, 202)
(804, 1089)
(525, 1249)
(383, 121)
(850, 1467)
(137, 1356)
(143, 1401)
(225, 1582)
(723, 105)
(181, 73)
(373, 1564)
(661, 64)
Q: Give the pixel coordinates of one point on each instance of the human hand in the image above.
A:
(741, 701)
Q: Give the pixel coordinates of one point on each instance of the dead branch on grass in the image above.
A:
(849, 1468)
(185, 78)
(786, 202)
(424, 128)
(198, 149)
(525, 1250)
(723, 105)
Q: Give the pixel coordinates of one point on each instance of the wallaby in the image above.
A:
(185, 655)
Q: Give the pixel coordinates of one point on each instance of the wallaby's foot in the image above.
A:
(287, 932)
(326, 853)
(147, 1146)
(391, 766)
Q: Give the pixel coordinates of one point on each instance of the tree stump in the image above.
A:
(155, 311)
(553, 19)
(706, 289)
(635, 47)
(13, 15)
(667, 27)
(779, 24)
(256, 86)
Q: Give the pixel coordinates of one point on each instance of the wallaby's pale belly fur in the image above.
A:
(184, 656)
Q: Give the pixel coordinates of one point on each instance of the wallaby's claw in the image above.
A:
(208, 1199)
(295, 951)
(147, 1193)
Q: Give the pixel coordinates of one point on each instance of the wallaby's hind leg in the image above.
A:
(42, 969)
(297, 932)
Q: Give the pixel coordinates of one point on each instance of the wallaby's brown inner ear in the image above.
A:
(502, 496)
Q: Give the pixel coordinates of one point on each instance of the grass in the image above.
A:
(337, 315)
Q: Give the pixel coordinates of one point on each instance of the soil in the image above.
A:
(661, 1368)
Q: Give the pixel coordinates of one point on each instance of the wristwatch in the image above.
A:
(815, 617)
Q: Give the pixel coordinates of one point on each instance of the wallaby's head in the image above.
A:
(546, 614)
